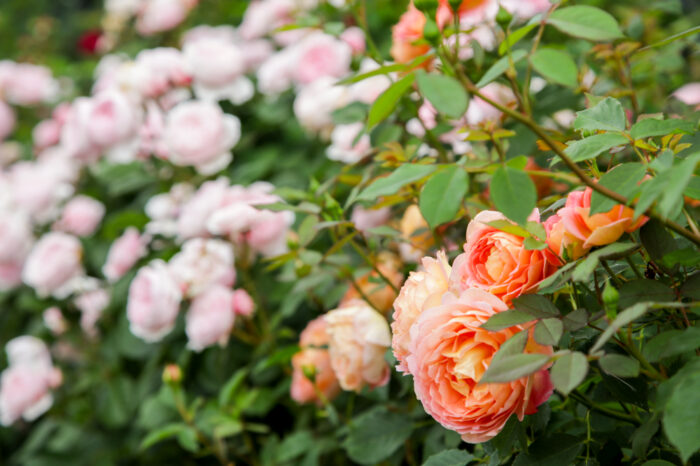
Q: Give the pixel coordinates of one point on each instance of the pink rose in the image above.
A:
(30, 85)
(45, 134)
(497, 262)
(474, 12)
(157, 16)
(16, 239)
(210, 318)
(525, 9)
(81, 216)
(124, 253)
(321, 55)
(422, 290)
(370, 88)
(264, 16)
(75, 139)
(366, 219)
(25, 386)
(313, 360)
(91, 304)
(153, 303)
(405, 33)
(54, 320)
(276, 73)
(202, 263)
(243, 304)
(7, 120)
(359, 337)
(199, 134)
(355, 38)
(688, 94)
(315, 103)
(449, 353)
(481, 112)
(343, 147)
(53, 262)
(193, 217)
(167, 69)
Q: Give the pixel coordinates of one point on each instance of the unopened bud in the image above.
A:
(610, 300)
(503, 18)
(172, 374)
(427, 7)
(431, 32)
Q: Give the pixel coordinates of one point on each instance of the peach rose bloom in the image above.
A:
(416, 232)
(597, 229)
(408, 30)
(359, 337)
(497, 262)
(381, 296)
(423, 289)
(561, 242)
(449, 354)
(313, 358)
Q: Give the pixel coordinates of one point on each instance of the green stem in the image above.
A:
(583, 399)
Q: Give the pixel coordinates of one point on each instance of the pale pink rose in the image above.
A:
(156, 16)
(422, 290)
(474, 12)
(113, 123)
(91, 305)
(370, 88)
(359, 337)
(256, 52)
(153, 303)
(276, 73)
(45, 134)
(210, 318)
(124, 8)
(322, 55)
(355, 38)
(202, 263)
(30, 85)
(449, 353)
(498, 262)
(193, 217)
(16, 239)
(479, 111)
(345, 145)
(315, 103)
(482, 34)
(688, 94)
(7, 120)
(243, 304)
(124, 253)
(54, 320)
(53, 262)
(264, 16)
(167, 69)
(525, 9)
(366, 219)
(150, 134)
(81, 216)
(406, 33)
(225, 33)
(74, 132)
(199, 134)
(164, 209)
(25, 386)
(313, 359)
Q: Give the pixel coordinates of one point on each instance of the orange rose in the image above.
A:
(449, 354)
(497, 262)
(409, 30)
(313, 359)
(597, 229)
(423, 289)
(563, 243)
(416, 234)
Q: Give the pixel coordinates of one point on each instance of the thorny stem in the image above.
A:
(578, 171)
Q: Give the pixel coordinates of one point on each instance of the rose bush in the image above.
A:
(348, 232)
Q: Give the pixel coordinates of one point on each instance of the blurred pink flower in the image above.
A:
(153, 303)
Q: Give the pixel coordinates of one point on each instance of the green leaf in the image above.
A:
(649, 192)
(643, 435)
(515, 37)
(623, 179)
(569, 371)
(556, 66)
(693, 188)
(452, 457)
(619, 365)
(165, 432)
(376, 434)
(294, 445)
(636, 291)
(513, 193)
(513, 367)
(681, 421)
(512, 346)
(536, 305)
(624, 318)
(405, 174)
(500, 67)
(121, 179)
(592, 146)
(657, 240)
(228, 391)
(678, 178)
(187, 438)
(671, 343)
(386, 102)
(228, 428)
(551, 450)
(444, 92)
(651, 127)
(575, 319)
(548, 331)
(352, 113)
(586, 22)
(509, 227)
(585, 268)
(441, 197)
(506, 319)
(607, 115)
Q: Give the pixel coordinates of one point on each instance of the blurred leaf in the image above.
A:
(513, 193)
(636, 291)
(552, 450)
(548, 331)
(405, 174)
(575, 320)
(619, 365)
(568, 371)
(643, 435)
(376, 434)
(671, 343)
(500, 67)
(592, 146)
(624, 318)
(681, 424)
(294, 445)
(352, 113)
(228, 391)
(650, 127)
(120, 179)
(678, 178)
(452, 457)
(506, 319)
(442, 196)
(513, 367)
(445, 93)
(586, 22)
(386, 102)
(536, 305)
(556, 66)
(165, 432)
(607, 115)
(623, 179)
(515, 36)
(691, 287)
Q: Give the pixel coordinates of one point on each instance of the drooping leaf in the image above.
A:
(442, 196)
(586, 22)
(513, 193)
